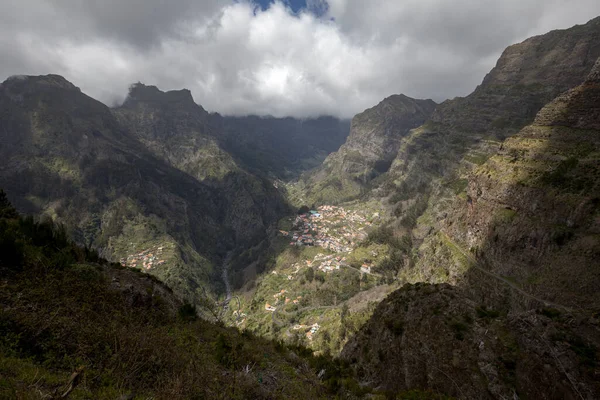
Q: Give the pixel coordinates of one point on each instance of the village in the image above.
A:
(331, 227)
(339, 232)
(147, 259)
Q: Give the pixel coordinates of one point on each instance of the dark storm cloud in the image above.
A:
(338, 58)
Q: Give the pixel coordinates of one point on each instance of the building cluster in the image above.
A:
(366, 268)
(329, 263)
(279, 298)
(147, 259)
(314, 328)
(330, 227)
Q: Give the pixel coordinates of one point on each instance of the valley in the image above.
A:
(436, 249)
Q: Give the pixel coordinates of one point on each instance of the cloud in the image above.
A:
(336, 57)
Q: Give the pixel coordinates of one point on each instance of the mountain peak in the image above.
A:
(50, 80)
(138, 92)
(402, 98)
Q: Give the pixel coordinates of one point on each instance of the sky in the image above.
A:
(301, 58)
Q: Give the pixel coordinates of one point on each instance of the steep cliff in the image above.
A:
(375, 137)
(175, 129)
(184, 135)
(282, 148)
(531, 212)
(521, 247)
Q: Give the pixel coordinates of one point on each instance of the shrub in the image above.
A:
(187, 312)
(7, 211)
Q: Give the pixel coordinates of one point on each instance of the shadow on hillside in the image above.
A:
(532, 215)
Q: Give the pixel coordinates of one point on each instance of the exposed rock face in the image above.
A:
(433, 337)
(375, 137)
(463, 133)
(532, 210)
(184, 135)
(577, 108)
(527, 76)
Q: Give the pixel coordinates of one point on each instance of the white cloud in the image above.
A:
(239, 59)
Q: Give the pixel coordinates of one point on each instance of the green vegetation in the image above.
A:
(458, 185)
(413, 213)
(72, 324)
(559, 176)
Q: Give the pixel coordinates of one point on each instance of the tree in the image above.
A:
(303, 210)
(309, 274)
(6, 209)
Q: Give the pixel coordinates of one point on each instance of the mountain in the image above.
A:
(462, 134)
(531, 212)
(180, 132)
(464, 130)
(176, 129)
(206, 145)
(450, 248)
(281, 148)
(526, 236)
(458, 209)
(104, 175)
(526, 77)
(375, 138)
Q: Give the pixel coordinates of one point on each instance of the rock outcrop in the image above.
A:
(175, 129)
(526, 77)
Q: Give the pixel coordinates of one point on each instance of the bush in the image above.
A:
(7, 211)
(483, 312)
(309, 274)
(558, 177)
(303, 210)
(187, 312)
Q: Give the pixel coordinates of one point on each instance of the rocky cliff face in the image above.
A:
(531, 212)
(183, 134)
(435, 160)
(527, 76)
(459, 132)
(375, 138)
